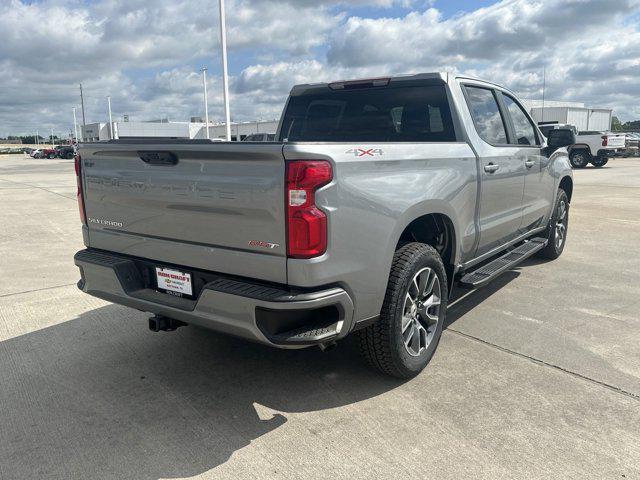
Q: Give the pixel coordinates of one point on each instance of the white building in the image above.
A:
(598, 119)
(572, 113)
(95, 132)
(239, 130)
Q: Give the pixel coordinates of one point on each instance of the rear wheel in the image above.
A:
(558, 227)
(599, 162)
(402, 342)
(579, 158)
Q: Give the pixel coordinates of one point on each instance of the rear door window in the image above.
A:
(394, 113)
(486, 115)
(524, 131)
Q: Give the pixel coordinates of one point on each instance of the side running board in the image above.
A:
(491, 270)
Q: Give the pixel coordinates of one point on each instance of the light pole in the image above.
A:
(53, 142)
(225, 73)
(111, 137)
(206, 102)
(75, 125)
(37, 139)
(84, 122)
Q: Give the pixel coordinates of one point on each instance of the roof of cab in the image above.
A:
(440, 77)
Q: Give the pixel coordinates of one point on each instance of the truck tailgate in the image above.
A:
(200, 204)
(616, 141)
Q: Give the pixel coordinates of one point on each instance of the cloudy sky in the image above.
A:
(147, 54)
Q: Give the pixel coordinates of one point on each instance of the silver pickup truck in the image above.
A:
(377, 197)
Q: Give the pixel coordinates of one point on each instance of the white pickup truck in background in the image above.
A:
(595, 148)
(591, 146)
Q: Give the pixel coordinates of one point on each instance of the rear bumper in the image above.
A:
(271, 314)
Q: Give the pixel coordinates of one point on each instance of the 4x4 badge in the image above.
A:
(364, 152)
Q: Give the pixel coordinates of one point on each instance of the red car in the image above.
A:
(47, 153)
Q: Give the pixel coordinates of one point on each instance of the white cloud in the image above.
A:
(146, 54)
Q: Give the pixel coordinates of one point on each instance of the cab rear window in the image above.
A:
(386, 114)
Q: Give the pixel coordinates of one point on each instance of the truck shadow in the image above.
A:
(463, 301)
(102, 397)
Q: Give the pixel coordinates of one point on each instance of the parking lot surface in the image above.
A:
(536, 376)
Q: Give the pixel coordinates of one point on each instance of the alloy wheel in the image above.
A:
(421, 311)
(561, 224)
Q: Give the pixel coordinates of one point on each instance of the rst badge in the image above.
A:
(365, 152)
(258, 243)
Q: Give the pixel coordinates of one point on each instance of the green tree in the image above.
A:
(616, 124)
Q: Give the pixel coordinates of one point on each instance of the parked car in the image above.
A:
(260, 137)
(65, 151)
(632, 144)
(37, 153)
(377, 198)
(596, 148)
(48, 153)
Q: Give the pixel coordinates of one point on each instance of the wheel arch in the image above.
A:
(579, 146)
(566, 184)
(437, 230)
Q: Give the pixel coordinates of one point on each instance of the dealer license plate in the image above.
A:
(174, 282)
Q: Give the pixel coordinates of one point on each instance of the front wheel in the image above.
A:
(558, 227)
(402, 342)
(579, 158)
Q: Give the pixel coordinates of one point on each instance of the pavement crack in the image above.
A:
(608, 386)
(38, 187)
(37, 290)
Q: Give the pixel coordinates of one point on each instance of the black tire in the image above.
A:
(554, 249)
(579, 158)
(599, 162)
(382, 343)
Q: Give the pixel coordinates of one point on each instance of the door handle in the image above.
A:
(491, 168)
(530, 163)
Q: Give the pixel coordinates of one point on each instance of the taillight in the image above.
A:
(306, 223)
(78, 166)
(605, 140)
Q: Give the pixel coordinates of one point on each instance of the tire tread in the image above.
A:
(375, 341)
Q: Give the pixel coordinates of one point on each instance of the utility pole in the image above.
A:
(84, 122)
(544, 85)
(75, 125)
(37, 139)
(225, 73)
(53, 142)
(111, 137)
(206, 106)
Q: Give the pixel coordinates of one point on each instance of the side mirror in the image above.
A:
(560, 137)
